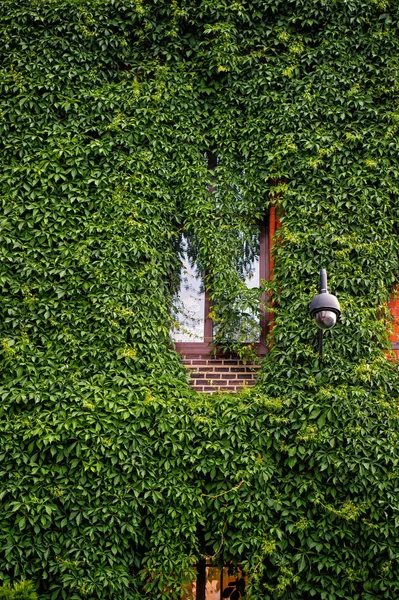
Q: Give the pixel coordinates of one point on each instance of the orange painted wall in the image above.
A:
(393, 306)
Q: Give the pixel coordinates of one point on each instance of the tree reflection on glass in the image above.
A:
(189, 304)
(229, 582)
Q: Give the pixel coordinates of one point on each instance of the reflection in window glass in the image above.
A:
(252, 280)
(189, 304)
(212, 585)
(229, 583)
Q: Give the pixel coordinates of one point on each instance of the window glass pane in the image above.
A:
(212, 586)
(252, 279)
(189, 304)
(232, 586)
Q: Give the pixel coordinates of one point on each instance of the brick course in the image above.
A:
(210, 374)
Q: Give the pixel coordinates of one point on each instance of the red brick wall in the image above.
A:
(225, 373)
(394, 309)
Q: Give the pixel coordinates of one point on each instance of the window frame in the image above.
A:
(207, 348)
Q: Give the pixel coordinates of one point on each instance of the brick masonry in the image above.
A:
(225, 373)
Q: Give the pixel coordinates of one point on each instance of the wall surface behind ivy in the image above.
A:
(115, 476)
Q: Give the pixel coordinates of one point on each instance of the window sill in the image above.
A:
(205, 349)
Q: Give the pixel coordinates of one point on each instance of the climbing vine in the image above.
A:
(116, 477)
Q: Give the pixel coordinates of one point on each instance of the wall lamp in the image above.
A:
(324, 308)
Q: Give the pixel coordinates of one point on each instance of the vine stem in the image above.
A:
(233, 489)
(221, 542)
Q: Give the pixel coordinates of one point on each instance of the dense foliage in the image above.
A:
(115, 476)
(20, 591)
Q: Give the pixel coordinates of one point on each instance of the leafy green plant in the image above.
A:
(115, 476)
(19, 591)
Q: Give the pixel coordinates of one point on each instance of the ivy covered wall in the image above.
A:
(115, 476)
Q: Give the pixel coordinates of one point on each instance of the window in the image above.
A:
(193, 332)
(215, 583)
